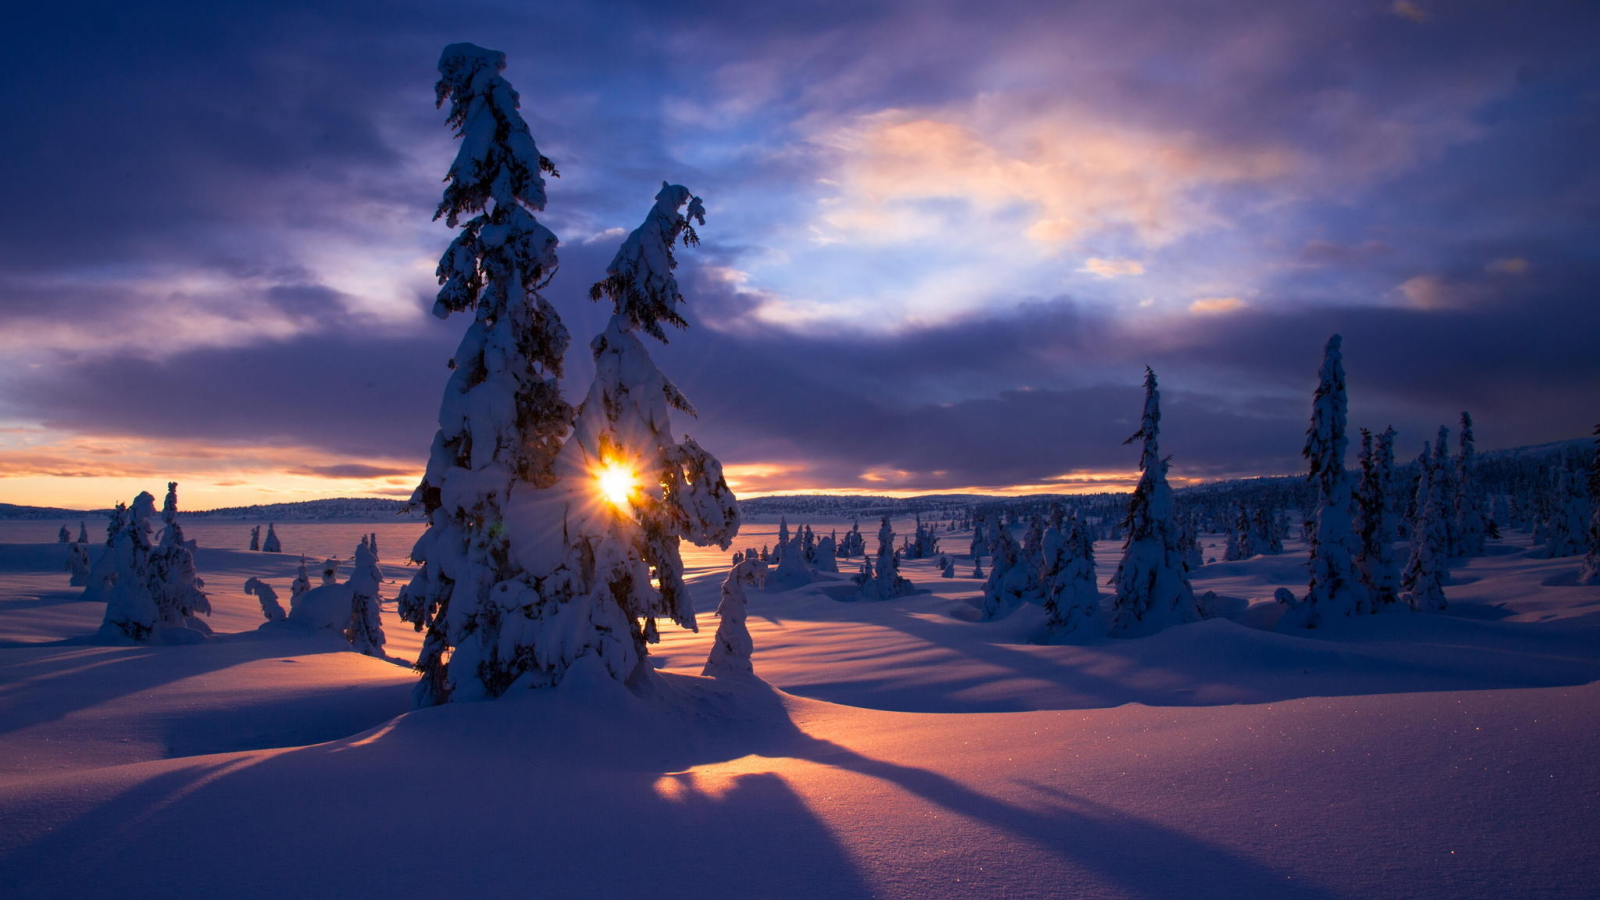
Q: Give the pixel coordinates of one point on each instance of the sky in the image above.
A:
(943, 240)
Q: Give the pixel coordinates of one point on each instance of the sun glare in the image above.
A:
(617, 483)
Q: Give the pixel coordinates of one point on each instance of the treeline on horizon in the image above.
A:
(1504, 471)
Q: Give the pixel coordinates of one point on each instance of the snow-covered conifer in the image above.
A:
(1003, 590)
(1071, 597)
(732, 647)
(271, 544)
(502, 417)
(1470, 528)
(63, 536)
(78, 564)
(827, 555)
(1566, 528)
(154, 587)
(255, 538)
(271, 609)
(1335, 587)
(1427, 568)
(948, 570)
(83, 532)
(330, 570)
(783, 540)
(623, 570)
(365, 629)
(885, 581)
(1152, 587)
(1376, 521)
(301, 583)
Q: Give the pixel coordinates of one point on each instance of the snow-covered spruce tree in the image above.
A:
(1003, 589)
(83, 532)
(271, 609)
(255, 538)
(152, 587)
(1071, 597)
(271, 544)
(1422, 582)
(365, 631)
(623, 570)
(1566, 528)
(130, 610)
(782, 546)
(853, 544)
(77, 564)
(883, 581)
(792, 570)
(174, 582)
(502, 416)
(330, 571)
(732, 647)
(1335, 587)
(301, 583)
(1376, 521)
(1471, 530)
(1151, 584)
(827, 555)
(63, 536)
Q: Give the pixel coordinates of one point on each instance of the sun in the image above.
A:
(617, 483)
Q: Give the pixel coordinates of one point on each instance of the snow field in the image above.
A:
(904, 750)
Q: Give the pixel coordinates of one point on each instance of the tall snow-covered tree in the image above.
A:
(1376, 521)
(1470, 528)
(365, 630)
(1006, 585)
(1427, 568)
(883, 581)
(1335, 587)
(174, 581)
(1151, 584)
(623, 570)
(255, 538)
(1590, 572)
(732, 647)
(63, 536)
(271, 543)
(1566, 527)
(1071, 597)
(502, 417)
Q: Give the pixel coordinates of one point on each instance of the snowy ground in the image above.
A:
(902, 750)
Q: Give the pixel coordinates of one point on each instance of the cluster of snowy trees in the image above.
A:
(351, 609)
(528, 570)
(146, 575)
(271, 544)
(882, 580)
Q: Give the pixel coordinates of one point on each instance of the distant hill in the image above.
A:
(314, 511)
(11, 511)
(342, 508)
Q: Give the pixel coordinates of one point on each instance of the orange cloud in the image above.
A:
(1112, 268)
(1211, 306)
(1076, 173)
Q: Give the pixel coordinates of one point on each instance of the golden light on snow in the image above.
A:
(617, 481)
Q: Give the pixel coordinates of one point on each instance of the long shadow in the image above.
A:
(42, 683)
(465, 816)
(1382, 654)
(475, 806)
